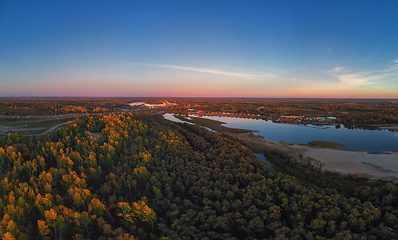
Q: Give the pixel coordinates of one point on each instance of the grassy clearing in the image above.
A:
(31, 126)
(19, 122)
(49, 123)
(331, 145)
(30, 132)
(11, 121)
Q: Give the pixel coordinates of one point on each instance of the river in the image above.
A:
(359, 139)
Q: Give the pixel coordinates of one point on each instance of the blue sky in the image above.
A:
(201, 48)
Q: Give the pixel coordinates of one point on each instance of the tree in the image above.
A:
(44, 231)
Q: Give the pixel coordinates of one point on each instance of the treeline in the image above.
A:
(349, 112)
(148, 178)
(218, 105)
(373, 116)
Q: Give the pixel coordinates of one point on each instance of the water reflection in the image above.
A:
(171, 117)
(262, 157)
(355, 138)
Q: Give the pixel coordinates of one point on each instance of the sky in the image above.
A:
(264, 49)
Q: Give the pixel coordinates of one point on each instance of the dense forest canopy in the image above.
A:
(128, 176)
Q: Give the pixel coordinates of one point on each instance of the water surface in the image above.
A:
(262, 157)
(376, 140)
(171, 117)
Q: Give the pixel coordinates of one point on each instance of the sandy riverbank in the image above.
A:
(336, 157)
(376, 166)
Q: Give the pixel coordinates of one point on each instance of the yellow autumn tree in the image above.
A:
(8, 236)
(43, 229)
(57, 221)
(137, 211)
(97, 206)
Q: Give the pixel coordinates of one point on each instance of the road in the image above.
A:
(56, 127)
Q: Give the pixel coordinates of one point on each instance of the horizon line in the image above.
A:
(246, 97)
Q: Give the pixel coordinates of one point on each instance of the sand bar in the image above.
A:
(382, 165)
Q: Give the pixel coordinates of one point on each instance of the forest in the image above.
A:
(139, 176)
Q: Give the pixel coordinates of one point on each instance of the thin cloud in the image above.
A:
(376, 76)
(351, 80)
(337, 69)
(329, 50)
(215, 71)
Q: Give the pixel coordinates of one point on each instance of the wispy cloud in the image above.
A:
(375, 76)
(329, 50)
(337, 69)
(351, 80)
(215, 71)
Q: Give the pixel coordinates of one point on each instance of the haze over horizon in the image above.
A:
(263, 49)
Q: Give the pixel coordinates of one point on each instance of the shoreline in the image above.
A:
(345, 161)
(371, 127)
(333, 156)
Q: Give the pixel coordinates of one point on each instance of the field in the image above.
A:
(31, 126)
